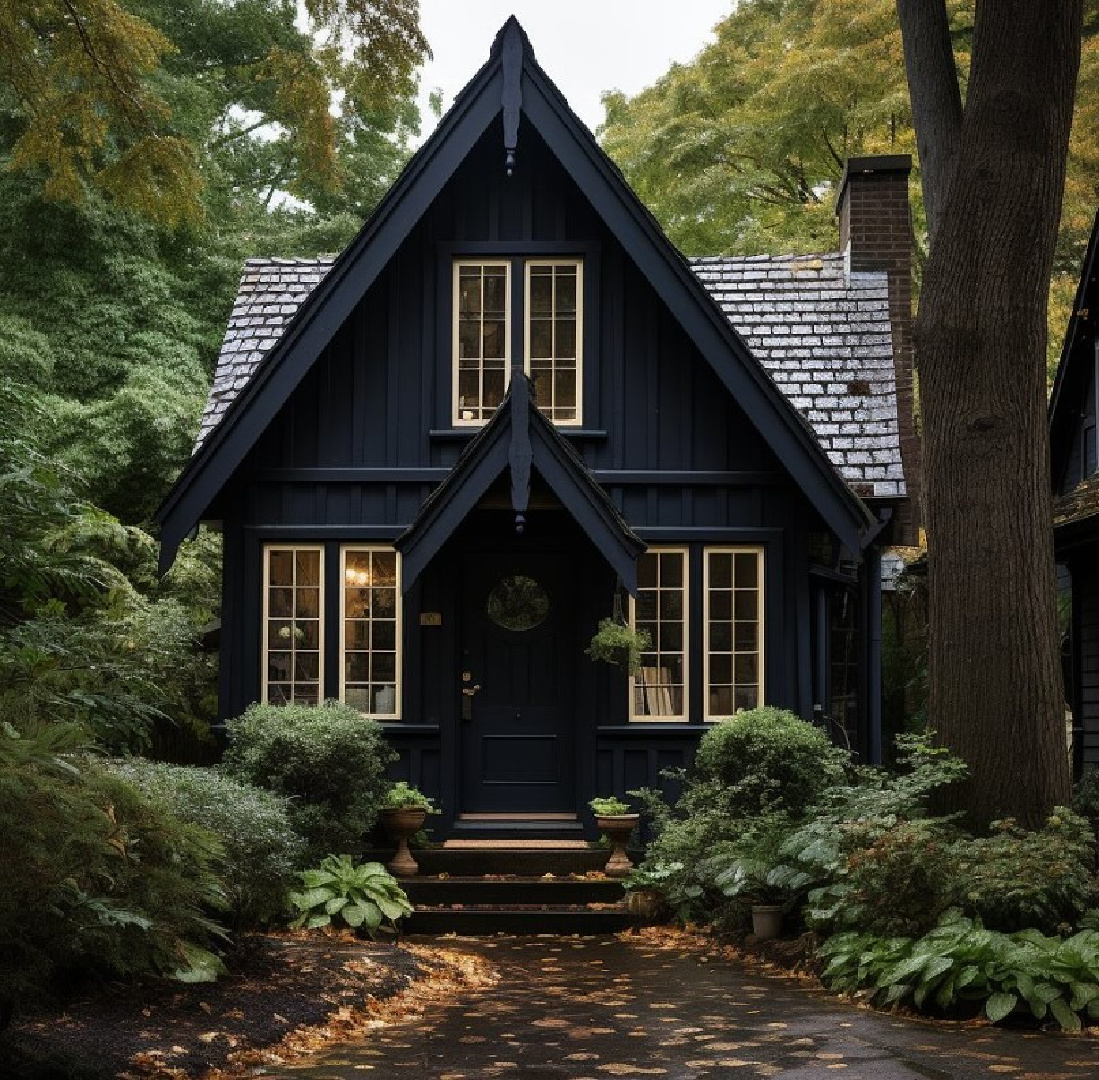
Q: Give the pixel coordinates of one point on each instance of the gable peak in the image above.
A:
(512, 31)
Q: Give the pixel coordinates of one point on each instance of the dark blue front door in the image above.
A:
(518, 653)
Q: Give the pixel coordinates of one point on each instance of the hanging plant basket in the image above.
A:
(617, 644)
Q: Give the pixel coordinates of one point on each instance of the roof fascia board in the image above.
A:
(470, 483)
(325, 310)
(1068, 348)
(694, 308)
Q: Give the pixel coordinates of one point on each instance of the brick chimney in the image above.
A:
(876, 234)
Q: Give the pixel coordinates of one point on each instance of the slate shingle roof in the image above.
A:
(270, 292)
(822, 335)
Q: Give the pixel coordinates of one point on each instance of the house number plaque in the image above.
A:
(431, 618)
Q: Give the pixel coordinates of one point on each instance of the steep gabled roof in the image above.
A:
(823, 336)
(517, 439)
(509, 83)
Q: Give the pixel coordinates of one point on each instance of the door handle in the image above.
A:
(469, 691)
(468, 694)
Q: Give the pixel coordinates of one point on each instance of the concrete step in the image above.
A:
(524, 861)
(510, 890)
(524, 919)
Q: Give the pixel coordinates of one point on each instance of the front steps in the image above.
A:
(513, 887)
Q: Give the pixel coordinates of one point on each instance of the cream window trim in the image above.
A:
(657, 694)
(760, 622)
(462, 415)
(294, 623)
(554, 363)
(398, 622)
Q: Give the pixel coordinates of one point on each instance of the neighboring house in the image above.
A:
(510, 409)
(1074, 463)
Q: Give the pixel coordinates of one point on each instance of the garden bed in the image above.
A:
(285, 994)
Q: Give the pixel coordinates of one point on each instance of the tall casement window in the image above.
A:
(658, 691)
(733, 630)
(293, 636)
(371, 631)
(481, 339)
(553, 336)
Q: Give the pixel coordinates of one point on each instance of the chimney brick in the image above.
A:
(876, 234)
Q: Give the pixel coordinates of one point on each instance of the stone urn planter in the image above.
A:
(618, 828)
(402, 823)
(766, 921)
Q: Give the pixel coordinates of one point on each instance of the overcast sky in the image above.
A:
(585, 46)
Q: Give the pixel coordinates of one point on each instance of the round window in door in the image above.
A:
(518, 603)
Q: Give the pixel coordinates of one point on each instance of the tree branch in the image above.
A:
(936, 97)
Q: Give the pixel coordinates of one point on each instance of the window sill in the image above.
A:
(454, 434)
(652, 727)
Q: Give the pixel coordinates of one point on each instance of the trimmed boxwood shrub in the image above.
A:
(328, 760)
(767, 760)
(262, 848)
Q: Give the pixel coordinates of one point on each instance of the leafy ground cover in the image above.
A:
(281, 991)
(906, 906)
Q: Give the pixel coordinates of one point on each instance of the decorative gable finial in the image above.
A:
(510, 45)
(520, 453)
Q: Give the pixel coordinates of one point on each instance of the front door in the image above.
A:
(516, 685)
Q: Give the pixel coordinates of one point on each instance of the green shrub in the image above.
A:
(261, 847)
(328, 760)
(105, 879)
(1016, 879)
(404, 796)
(362, 896)
(961, 965)
(609, 806)
(1085, 798)
(768, 760)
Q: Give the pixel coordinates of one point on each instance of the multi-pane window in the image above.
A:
(481, 345)
(734, 630)
(370, 677)
(292, 632)
(553, 336)
(658, 688)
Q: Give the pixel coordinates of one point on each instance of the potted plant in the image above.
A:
(403, 814)
(618, 644)
(644, 900)
(753, 881)
(613, 817)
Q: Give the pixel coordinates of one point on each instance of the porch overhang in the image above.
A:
(518, 440)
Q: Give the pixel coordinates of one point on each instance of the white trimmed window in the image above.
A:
(370, 631)
(482, 345)
(293, 631)
(658, 690)
(733, 630)
(554, 332)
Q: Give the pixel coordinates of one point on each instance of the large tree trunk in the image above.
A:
(995, 683)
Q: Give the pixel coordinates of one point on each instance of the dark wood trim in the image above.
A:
(706, 534)
(648, 477)
(351, 475)
(565, 249)
(641, 728)
(404, 727)
(320, 532)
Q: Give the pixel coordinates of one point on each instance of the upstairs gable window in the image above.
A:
(551, 321)
(482, 354)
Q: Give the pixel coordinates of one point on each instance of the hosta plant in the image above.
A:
(960, 964)
(364, 896)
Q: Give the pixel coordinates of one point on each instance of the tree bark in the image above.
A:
(995, 686)
(935, 96)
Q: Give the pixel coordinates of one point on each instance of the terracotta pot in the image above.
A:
(766, 921)
(402, 823)
(618, 828)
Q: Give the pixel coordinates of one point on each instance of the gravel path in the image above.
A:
(592, 1008)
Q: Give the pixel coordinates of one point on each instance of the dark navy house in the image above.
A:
(512, 408)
